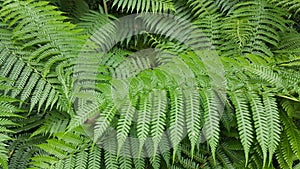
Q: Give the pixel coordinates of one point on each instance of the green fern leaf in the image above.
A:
(193, 115)
(212, 119)
(260, 123)
(144, 119)
(145, 5)
(158, 116)
(243, 116)
(104, 121)
(292, 133)
(124, 123)
(176, 118)
(273, 123)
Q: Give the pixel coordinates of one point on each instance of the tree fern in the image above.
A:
(96, 110)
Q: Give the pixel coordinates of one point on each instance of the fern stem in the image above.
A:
(105, 7)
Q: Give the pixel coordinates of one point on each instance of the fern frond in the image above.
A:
(273, 122)
(110, 155)
(124, 122)
(54, 123)
(193, 115)
(144, 119)
(292, 133)
(158, 116)
(261, 14)
(22, 149)
(292, 6)
(95, 157)
(103, 122)
(144, 5)
(92, 21)
(25, 79)
(176, 118)
(42, 47)
(260, 123)
(266, 74)
(243, 116)
(201, 8)
(23, 69)
(4, 123)
(285, 153)
(212, 119)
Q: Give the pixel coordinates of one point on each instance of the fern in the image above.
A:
(40, 61)
(143, 121)
(261, 14)
(273, 123)
(289, 5)
(244, 121)
(292, 133)
(144, 5)
(158, 116)
(260, 123)
(176, 117)
(93, 110)
(7, 111)
(212, 115)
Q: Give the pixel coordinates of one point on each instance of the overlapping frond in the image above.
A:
(260, 14)
(44, 45)
(163, 103)
(7, 111)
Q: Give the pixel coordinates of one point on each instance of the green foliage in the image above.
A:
(57, 113)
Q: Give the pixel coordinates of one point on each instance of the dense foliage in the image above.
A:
(257, 42)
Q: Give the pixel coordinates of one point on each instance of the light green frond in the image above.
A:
(177, 122)
(261, 14)
(273, 122)
(260, 119)
(144, 119)
(124, 122)
(158, 116)
(290, 5)
(201, 8)
(243, 117)
(212, 119)
(292, 133)
(144, 5)
(193, 115)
